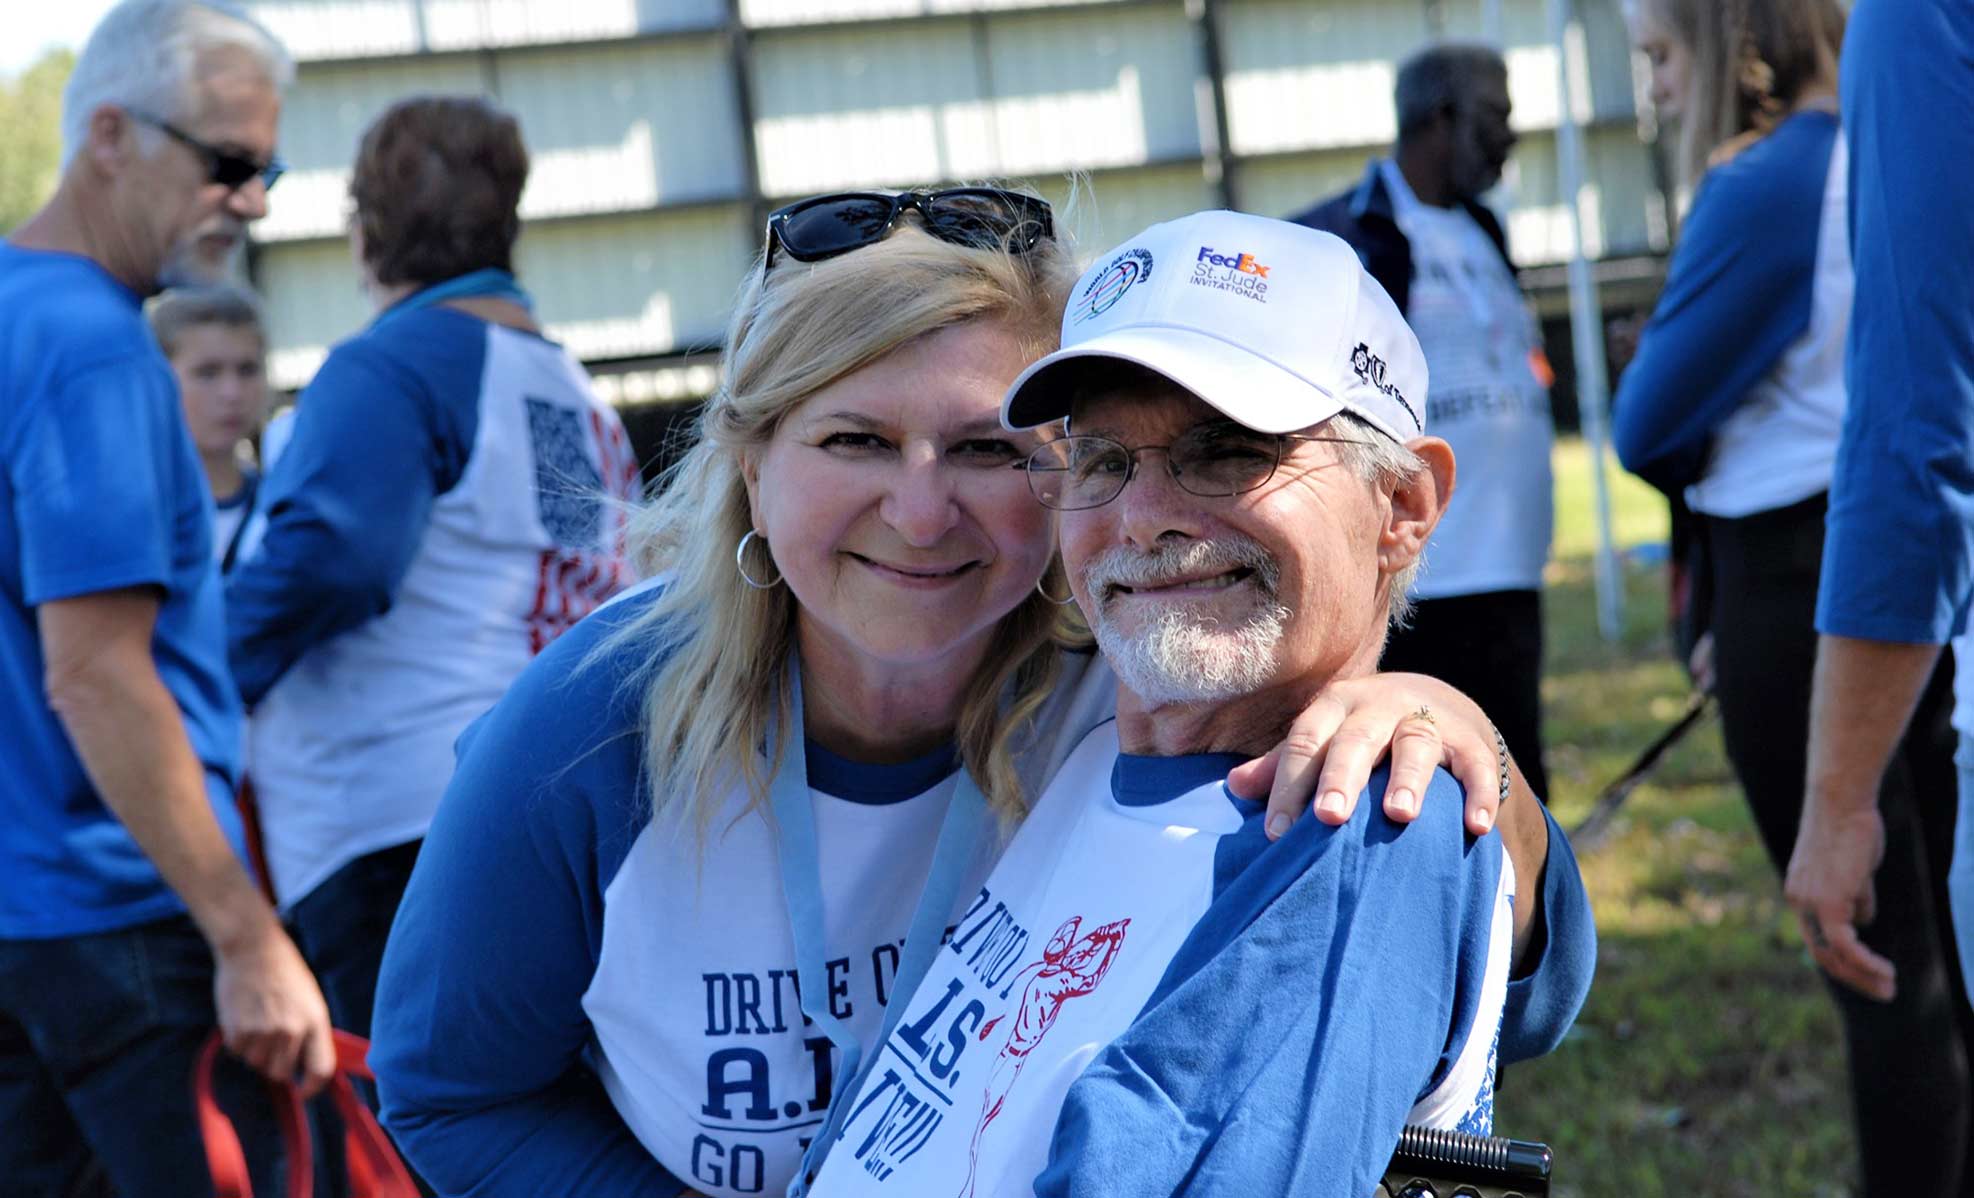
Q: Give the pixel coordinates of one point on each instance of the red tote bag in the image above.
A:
(374, 1168)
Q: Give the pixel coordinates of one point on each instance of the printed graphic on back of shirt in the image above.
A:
(584, 507)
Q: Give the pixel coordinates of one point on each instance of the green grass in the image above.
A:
(1707, 1060)
(1638, 515)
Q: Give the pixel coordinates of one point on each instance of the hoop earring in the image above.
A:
(1064, 602)
(740, 564)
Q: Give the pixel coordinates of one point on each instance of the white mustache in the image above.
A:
(1119, 566)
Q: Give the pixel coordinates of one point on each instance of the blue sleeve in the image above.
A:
(1543, 1003)
(347, 505)
(1737, 295)
(1898, 555)
(1304, 1017)
(480, 1034)
(96, 467)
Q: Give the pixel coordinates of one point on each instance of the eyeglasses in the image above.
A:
(1211, 460)
(224, 167)
(825, 226)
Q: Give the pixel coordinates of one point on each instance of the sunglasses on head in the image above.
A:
(225, 167)
(825, 226)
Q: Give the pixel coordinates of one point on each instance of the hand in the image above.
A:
(1700, 664)
(271, 1011)
(1333, 746)
(1829, 885)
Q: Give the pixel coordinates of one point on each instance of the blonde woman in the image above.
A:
(1736, 400)
(689, 859)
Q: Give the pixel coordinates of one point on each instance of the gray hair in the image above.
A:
(1441, 75)
(1380, 462)
(144, 55)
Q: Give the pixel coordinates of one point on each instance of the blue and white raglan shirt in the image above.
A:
(1737, 393)
(453, 499)
(100, 490)
(1218, 1012)
(578, 1000)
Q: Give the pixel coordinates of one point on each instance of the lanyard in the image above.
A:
(801, 880)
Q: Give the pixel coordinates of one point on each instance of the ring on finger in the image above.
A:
(1424, 712)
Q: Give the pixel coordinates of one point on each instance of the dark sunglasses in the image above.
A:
(825, 226)
(224, 167)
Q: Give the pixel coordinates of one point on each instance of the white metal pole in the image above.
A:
(1586, 324)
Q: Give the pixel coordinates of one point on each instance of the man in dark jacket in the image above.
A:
(1417, 223)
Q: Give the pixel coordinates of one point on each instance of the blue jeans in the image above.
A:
(341, 927)
(98, 1036)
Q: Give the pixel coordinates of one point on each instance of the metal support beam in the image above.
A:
(1218, 158)
(740, 52)
(1586, 322)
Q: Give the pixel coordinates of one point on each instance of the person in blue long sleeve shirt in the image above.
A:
(449, 503)
(1735, 401)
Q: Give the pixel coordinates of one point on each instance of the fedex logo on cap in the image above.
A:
(1237, 273)
(1244, 263)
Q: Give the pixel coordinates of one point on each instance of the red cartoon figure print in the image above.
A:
(1069, 968)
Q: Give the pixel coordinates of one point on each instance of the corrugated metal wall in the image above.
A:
(629, 286)
(643, 207)
(328, 29)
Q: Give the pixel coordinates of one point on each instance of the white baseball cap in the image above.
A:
(1276, 325)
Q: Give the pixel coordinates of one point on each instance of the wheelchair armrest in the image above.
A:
(1431, 1163)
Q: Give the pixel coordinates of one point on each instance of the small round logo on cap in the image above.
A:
(1118, 276)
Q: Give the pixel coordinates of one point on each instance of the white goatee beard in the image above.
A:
(1183, 656)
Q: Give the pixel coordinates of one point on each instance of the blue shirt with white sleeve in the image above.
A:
(100, 490)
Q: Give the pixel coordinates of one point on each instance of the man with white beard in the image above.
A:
(1245, 488)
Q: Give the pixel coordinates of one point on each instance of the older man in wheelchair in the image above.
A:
(1151, 995)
